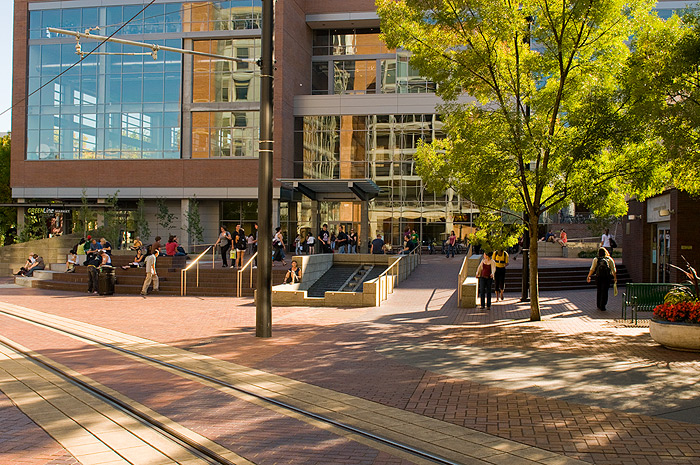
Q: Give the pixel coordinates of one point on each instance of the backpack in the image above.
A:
(602, 269)
(613, 244)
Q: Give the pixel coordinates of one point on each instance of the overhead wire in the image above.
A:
(82, 57)
(189, 8)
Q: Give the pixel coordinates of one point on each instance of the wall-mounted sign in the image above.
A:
(686, 247)
(47, 211)
(656, 205)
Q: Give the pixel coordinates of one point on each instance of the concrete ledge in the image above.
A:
(26, 282)
(549, 249)
(44, 274)
(470, 293)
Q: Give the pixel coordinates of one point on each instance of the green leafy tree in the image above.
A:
(141, 226)
(166, 220)
(495, 231)
(114, 220)
(35, 225)
(663, 79)
(8, 215)
(194, 222)
(85, 217)
(545, 122)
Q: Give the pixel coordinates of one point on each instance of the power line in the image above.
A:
(190, 8)
(82, 57)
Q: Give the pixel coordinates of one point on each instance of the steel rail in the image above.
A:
(360, 432)
(192, 446)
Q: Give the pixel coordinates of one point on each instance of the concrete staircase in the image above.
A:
(212, 282)
(560, 279)
(345, 278)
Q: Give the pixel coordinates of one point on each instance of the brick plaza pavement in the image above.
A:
(577, 383)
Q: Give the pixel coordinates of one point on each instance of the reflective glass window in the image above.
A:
(223, 81)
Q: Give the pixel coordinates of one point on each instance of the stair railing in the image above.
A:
(460, 279)
(239, 278)
(183, 272)
(383, 279)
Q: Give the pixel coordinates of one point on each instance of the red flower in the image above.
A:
(682, 311)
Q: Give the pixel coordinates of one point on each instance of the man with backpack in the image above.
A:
(603, 267)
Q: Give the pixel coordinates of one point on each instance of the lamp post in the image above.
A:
(263, 303)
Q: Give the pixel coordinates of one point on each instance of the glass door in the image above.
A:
(663, 253)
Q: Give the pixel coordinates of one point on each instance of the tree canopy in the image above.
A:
(663, 78)
(547, 121)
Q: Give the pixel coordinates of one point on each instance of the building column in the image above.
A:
(21, 211)
(275, 214)
(100, 214)
(365, 235)
(315, 217)
(184, 210)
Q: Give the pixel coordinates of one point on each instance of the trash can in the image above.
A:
(106, 280)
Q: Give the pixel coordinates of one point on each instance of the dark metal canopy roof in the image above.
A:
(334, 189)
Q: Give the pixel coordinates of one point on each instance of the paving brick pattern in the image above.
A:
(22, 442)
(259, 434)
(337, 349)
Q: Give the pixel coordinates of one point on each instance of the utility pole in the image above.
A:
(263, 324)
(263, 301)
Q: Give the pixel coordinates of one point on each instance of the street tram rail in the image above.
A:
(195, 447)
(192, 446)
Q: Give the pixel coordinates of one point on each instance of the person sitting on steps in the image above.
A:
(293, 275)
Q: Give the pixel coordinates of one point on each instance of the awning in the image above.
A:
(334, 189)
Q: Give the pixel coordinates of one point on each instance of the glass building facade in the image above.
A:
(357, 62)
(124, 103)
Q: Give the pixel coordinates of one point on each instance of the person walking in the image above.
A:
(606, 241)
(278, 247)
(450, 243)
(224, 243)
(603, 266)
(151, 275)
(240, 242)
(485, 272)
(500, 260)
(310, 243)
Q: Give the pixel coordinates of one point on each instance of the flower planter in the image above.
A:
(676, 336)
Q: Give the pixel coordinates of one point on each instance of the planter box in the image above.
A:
(676, 336)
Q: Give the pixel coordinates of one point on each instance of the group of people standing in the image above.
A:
(235, 245)
(492, 270)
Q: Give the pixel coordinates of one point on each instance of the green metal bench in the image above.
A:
(643, 297)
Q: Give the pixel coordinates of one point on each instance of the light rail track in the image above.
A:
(196, 448)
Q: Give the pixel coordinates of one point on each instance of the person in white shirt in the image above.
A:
(605, 241)
(151, 275)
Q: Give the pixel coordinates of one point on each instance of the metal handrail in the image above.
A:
(239, 277)
(383, 286)
(461, 277)
(213, 252)
(183, 272)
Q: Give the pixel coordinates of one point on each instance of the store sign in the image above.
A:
(658, 208)
(46, 211)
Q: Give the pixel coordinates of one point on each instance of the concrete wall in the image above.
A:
(312, 268)
(53, 250)
(373, 292)
(470, 292)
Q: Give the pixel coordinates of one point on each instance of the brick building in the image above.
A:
(663, 228)
(174, 127)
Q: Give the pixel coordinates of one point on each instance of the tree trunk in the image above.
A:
(534, 286)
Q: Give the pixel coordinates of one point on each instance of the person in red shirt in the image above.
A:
(485, 273)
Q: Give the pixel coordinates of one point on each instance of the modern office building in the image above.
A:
(348, 115)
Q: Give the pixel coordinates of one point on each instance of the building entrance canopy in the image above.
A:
(334, 189)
